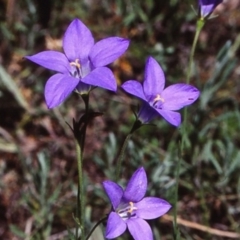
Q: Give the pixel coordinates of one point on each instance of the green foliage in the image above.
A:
(7, 82)
(209, 186)
(39, 198)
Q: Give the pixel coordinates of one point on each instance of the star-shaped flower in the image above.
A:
(82, 64)
(206, 7)
(156, 99)
(130, 208)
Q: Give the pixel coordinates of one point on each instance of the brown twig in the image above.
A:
(203, 228)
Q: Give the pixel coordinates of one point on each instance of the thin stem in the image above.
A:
(86, 101)
(200, 24)
(81, 200)
(176, 232)
(137, 124)
(121, 155)
(100, 221)
(80, 140)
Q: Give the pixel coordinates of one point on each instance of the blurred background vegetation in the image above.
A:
(38, 169)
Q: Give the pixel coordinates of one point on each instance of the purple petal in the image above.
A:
(151, 207)
(101, 77)
(115, 226)
(58, 88)
(206, 10)
(172, 117)
(209, 2)
(207, 6)
(147, 113)
(178, 96)
(137, 186)
(135, 88)
(52, 60)
(114, 192)
(154, 80)
(108, 50)
(139, 229)
(77, 41)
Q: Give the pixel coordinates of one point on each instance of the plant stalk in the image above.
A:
(137, 124)
(81, 199)
(199, 26)
(100, 221)
(121, 155)
(80, 136)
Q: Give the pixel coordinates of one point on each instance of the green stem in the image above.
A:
(86, 101)
(80, 140)
(176, 232)
(200, 24)
(137, 124)
(121, 155)
(100, 221)
(81, 200)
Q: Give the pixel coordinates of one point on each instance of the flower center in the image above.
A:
(76, 64)
(76, 69)
(127, 211)
(157, 99)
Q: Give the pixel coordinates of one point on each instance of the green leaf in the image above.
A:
(10, 84)
(17, 231)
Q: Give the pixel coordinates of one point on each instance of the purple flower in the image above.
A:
(156, 99)
(206, 7)
(130, 208)
(81, 65)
